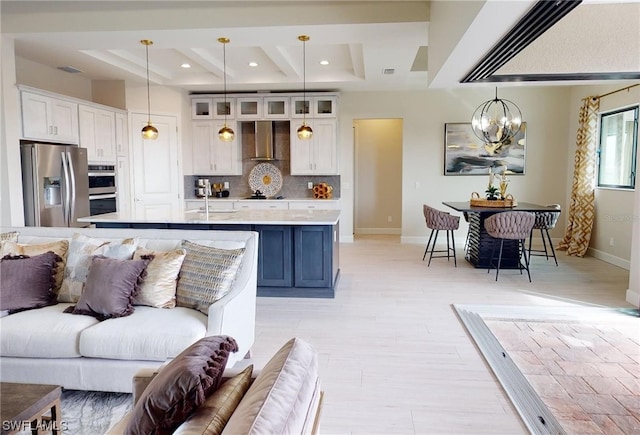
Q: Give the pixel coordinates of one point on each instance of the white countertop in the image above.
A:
(214, 200)
(256, 217)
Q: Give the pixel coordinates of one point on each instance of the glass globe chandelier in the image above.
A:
(496, 121)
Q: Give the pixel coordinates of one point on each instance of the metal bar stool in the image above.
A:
(545, 221)
(437, 221)
(510, 225)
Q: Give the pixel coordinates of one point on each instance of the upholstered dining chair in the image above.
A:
(510, 225)
(437, 220)
(545, 221)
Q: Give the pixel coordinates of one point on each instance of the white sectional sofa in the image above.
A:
(48, 346)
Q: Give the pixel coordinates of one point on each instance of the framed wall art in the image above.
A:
(465, 154)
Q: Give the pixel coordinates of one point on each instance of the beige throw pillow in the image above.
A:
(278, 400)
(10, 236)
(159, 287)
(212, 416)
(81, 251)
(59, 247)
(207, 274)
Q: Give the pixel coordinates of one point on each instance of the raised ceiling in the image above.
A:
(370, 45)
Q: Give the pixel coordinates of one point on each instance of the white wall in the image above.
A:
(545, 109)
(378, 200)
(614, 208)
(52, 79)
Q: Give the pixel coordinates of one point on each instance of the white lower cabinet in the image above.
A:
(260, 204)
(318, 155)
(212, 156)
(317, 204)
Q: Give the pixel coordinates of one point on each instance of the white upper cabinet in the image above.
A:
(224, 107)
(212, 156)
(314, 106)
(122, 135)
(49, 118)
(249, 108)
(318, 155)
(98, 133)
(202, 108)
(275, 107)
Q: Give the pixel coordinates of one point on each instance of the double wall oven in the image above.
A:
(102, 189)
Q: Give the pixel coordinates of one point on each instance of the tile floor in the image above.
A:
(587, 374)
(394, 359)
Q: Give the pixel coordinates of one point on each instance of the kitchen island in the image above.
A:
(298, 253)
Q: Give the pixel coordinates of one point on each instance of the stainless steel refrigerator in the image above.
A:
(55, 184)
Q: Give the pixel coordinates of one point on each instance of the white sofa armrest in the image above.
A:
(235, 313)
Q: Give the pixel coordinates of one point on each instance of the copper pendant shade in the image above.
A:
(148, 131)
(304, 132)
(226, 133)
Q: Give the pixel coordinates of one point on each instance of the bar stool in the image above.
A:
(510, 225)
(545, 221)
(437, 221)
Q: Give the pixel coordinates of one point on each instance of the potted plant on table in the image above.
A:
(492, 192)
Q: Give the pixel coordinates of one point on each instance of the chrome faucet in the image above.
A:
(207, 192)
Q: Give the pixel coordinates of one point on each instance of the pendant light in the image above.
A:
(226, 133)
(304, 131)
(148, 131)
(496, 121)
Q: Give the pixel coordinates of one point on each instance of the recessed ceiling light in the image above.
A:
(253, 63)
(185, 65)
(324, 62)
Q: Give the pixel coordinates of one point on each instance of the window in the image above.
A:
(617, 148)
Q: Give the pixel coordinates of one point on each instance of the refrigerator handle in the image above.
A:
(67, 187)
(72, 183)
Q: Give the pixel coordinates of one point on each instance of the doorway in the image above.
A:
(156, 175)
(378, 176)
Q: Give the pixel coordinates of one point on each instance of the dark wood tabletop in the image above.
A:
(522, 206)
(23, 402)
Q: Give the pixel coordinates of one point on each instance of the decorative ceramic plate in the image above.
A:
(266, 178)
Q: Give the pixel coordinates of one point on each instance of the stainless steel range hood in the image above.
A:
(265, 141)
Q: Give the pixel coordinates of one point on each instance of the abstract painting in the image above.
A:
(466, 154)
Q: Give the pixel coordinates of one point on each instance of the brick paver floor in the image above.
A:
(588, 375)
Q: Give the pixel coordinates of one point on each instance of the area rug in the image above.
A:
(92, 412)
(566, 369)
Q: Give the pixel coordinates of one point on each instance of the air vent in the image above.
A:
(388, 71)
(70, 69)
(539, 19)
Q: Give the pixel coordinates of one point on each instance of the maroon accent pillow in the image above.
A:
(181, 386)
(110, 287)
(27, 282)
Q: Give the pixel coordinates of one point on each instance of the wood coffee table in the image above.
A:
(23, 407)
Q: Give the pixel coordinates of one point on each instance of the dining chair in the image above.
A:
(510, 225)
(545, 221)
(437, 220)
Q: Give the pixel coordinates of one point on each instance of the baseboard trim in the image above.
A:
(611, 259)
(392, 231)
(346, 238)
(633, 298)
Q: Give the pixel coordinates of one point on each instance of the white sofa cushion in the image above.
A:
(43, 333)
(278, 401)
(151, 334)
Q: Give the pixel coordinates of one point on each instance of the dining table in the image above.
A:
(480, 243)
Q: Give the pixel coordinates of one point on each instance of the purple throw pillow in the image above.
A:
(181, 386)
(110, 287)
(27, 282)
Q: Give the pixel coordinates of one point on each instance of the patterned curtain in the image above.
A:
(582, 204)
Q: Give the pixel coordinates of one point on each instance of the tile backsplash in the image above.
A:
(293, 186)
